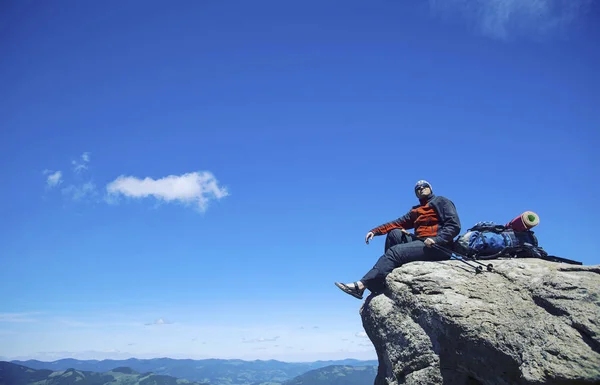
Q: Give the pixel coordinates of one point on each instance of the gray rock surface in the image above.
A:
(529, 321)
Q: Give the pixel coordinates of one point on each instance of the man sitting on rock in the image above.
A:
(435, 219)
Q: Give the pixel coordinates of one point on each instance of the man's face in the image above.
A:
(423, 191)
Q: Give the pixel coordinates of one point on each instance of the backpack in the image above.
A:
(488, 240)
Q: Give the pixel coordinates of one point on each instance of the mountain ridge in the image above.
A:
(214, 371)
(14, 374)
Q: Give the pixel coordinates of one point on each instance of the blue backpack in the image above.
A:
(488, 240)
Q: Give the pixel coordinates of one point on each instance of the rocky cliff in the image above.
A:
(529, 321)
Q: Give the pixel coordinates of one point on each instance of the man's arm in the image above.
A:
(404, 222)
(450, 223)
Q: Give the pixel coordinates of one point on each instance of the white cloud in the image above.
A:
(74, 191)
(194, 188)
(160, 321)
(54, 178)
(80, 166)
(191, 188)
(361, 335)
(80, 192)
(506, 18)
(255, 340)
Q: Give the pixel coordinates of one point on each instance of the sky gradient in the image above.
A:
(188, 179)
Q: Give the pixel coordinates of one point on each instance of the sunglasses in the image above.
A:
(422, 187)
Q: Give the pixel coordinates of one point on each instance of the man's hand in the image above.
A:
(369, 236)
(429, 242)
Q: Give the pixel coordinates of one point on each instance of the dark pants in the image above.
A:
(399, 249)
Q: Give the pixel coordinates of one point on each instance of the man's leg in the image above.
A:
(395, 257)
(396, 237)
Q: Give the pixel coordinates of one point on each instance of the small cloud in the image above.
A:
(79, 192)
(131, 344)
(361, 335)
(160, 321)
(79, 166)
(504, 19)
(315, 327)
(256, 340)
(192, 188)
(54, 178)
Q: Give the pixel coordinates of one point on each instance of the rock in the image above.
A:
(529, 321)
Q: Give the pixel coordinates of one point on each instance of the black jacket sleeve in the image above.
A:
(449, 226)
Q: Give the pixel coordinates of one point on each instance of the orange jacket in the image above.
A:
(435, 217)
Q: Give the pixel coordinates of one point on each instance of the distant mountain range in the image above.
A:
(13, 374)
(337, 375)
(217, 371)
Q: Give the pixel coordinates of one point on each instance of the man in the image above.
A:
(434, 219)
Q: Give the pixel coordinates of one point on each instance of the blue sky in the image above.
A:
(189, 179)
